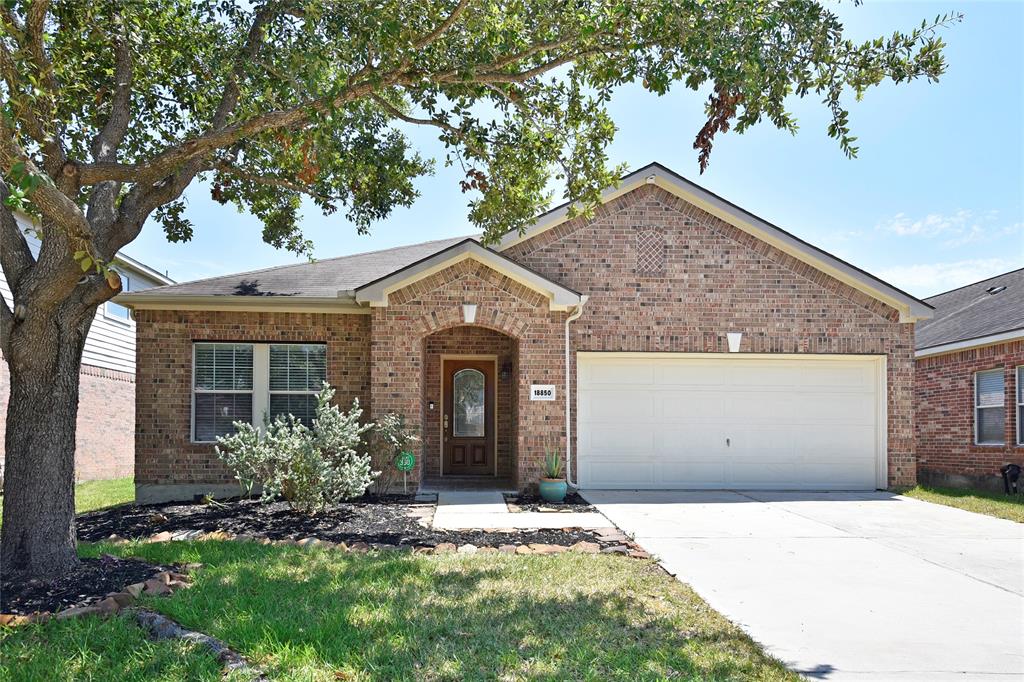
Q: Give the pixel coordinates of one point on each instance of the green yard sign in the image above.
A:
(405, 461)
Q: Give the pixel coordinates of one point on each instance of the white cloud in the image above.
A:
(958, 228)
(927, 279)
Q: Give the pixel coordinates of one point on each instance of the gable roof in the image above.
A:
(910, 307)
(333, 282)
(376, 293)
(974, 315)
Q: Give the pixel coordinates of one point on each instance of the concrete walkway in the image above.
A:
(462, 510)
(840, 586)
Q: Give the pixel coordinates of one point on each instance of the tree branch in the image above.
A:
(443, 27)
(269, 181)
(6, 325)
(101, 211)
(396, 113)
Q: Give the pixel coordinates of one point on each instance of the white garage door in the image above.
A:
(743, 421)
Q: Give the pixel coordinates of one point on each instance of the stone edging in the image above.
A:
(162, 583)
(619, 543)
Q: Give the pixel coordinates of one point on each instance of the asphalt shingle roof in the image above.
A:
(976, 310)
(319, 279)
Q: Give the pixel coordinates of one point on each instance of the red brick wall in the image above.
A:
(434, 304)
(105, 431)
(164, 452)
(944, 389)
(469, 341)
(716, 278)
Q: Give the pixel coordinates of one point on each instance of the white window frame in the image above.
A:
(256, 407)
(1001, 406)
(1019, 392)
(260, 381)
(266, 408)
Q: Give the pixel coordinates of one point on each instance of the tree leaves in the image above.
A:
(517, 92)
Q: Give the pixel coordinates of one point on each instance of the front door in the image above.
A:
(467, 427)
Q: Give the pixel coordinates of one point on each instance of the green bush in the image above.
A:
(311, 468)
(391, 437)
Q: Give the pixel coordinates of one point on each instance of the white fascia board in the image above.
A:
(990, 340)
(375, 294)
(910, 308)
(259, 304)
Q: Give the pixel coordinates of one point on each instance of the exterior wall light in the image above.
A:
(734, 341)
(469, 313)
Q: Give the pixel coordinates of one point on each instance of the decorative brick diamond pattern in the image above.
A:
(650, 252)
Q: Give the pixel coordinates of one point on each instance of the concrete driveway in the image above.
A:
(863, 586)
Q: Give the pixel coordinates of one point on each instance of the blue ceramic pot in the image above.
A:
(553, 489)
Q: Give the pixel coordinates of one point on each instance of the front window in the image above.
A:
(1020, 406)
(988, 407)
(297, 373)
(222, 388)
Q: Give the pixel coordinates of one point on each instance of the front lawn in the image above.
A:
(320, 614)
(983, 502)
(91, 495)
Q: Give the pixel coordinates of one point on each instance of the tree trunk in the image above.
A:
(37, 539)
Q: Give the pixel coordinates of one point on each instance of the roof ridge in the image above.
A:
(297, 265)
(980, 281)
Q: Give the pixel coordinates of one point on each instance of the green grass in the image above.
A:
(321, 615)
(95, 649)
(92, 495)
(983, 502)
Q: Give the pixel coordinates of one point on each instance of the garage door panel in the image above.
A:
(657, 421)
(687, 408)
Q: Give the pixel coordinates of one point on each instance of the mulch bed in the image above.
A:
(574, 502)
(93, 580)
(381, 521)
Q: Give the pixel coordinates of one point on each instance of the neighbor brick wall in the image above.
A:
(164, 452)
(105, 429)
(434, 304)
(716, 278)
(469, 341)
(944, 390)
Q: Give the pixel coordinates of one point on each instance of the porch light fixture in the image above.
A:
(734, 341)
(469, 313)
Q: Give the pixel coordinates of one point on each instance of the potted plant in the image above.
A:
(553, 486)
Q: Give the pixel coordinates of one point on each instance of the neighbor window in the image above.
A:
(1020, 405)
(988, 407)
(249, 381)
(117, 310)
(297, 373)
(222, 384)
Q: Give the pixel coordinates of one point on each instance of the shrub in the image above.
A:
(311, 468)
(391, 436)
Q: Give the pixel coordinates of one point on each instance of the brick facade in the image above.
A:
(105, 430)
(661, 275)
(434, 304)
(944, 388)
(164, 453)
(716, 278)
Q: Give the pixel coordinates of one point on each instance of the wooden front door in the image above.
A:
(467, 426)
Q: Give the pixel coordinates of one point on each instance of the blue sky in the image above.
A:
(935, 199)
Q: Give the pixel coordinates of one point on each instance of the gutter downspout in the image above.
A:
(568, 393)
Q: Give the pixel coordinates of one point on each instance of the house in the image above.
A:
(105, 446)
(969, 385)
(669, 340)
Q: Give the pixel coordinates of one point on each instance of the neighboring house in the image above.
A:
(105, 446)
(970, 383)
(631, 314)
